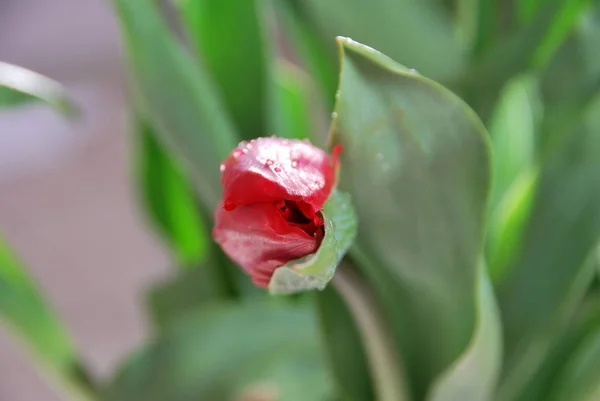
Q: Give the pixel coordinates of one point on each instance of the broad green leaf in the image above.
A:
(228, 35)
(291, 106)
(549, 276)
(18, 85)
(169, 198)
(475, 374)
(314, 271)
(29, 316)
(177, 95)
(416, 162)
(217, 353)
(419, 33)
(343, 347)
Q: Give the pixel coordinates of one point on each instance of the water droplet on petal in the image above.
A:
(249, 145)
(277, 170)
(229, 206)
(294, 163)
(245, 150)
(237, 153)
(269, 162)
(222, 167)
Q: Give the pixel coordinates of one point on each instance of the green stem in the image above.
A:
(387, 373)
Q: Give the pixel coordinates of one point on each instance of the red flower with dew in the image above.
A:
(273, 193)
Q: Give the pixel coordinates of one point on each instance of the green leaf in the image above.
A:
(219, 352)
(18, 85)
(344, 347)
(416, 162)
(513, 128)
(579, 378)
(291, 107)
(169, 198)
(177, 96)
(515, 55)
(314, 271)
(189, 290)
(29, 316)
(229, 37)
(387, 25)
(550, 274)
(507, 224)
(311, 49)
(475, 374)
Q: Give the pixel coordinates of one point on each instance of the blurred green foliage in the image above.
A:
(478, 247)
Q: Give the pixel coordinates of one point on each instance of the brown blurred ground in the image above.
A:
(66, 202)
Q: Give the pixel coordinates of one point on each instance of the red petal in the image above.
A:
(258, 238)
(270, 169)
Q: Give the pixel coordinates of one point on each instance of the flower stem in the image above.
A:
(386, 370)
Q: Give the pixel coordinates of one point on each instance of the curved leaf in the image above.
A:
(222, 351)
(416, 163)
(314, 271)
(18, 84)
(475, 374)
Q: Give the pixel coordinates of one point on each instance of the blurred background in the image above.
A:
(66, 203)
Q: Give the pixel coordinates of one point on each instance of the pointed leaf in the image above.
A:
(416, 163)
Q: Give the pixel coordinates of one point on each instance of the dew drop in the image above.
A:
(245, 150)
(294, 163)
(249, 145)
(222, 167)
(269, 162)
(334, 115)
(277, 170)
(413, 71)
(237, 153)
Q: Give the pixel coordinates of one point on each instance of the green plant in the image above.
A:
(474, 275)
